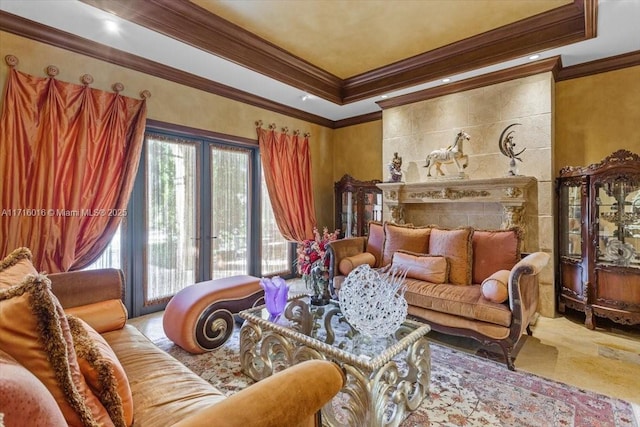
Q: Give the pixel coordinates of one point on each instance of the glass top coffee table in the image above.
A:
(387, 378)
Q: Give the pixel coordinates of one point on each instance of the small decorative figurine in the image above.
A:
(507, 146)
(452, 154)
(395, 168)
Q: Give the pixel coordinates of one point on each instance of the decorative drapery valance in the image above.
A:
(286, 163)
(52, 71)
(70, 154)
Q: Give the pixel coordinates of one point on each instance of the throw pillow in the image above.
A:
(34, 331)
(408, 238)
(496, 287)
(430, 268)
(494, 250)
(375, 241)
(25, 400)
(15, 267)
(349, 263)
(456, 246)
(102, 371)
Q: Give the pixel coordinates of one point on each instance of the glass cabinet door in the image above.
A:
(571, 221)
(348, 223)
(618, 219)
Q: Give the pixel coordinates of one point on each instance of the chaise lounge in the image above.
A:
(465, 282)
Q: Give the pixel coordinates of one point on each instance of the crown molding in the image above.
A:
(41, 33)
(189, 23)
(567, 24)
(195, 26)
(357, 120)
(552, 64)
(604, 65)
(44, 34)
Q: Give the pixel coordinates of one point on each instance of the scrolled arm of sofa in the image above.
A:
(96, 296)
(523, 290)
(291, 397)
(337, 250)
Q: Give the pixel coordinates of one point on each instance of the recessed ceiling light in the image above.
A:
(111, 26)
(384, 96)
(536, 56)
(306, 97)
(447, 80)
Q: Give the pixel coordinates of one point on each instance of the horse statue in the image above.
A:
(452, 154)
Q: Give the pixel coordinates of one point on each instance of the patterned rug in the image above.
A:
(465, 390)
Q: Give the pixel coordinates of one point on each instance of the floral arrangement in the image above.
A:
(314, 250)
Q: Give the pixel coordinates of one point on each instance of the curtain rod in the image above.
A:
(285, 130)
(86, 79)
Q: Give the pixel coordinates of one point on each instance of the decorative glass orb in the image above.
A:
(372, 302)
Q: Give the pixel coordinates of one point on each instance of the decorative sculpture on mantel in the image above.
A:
(506, 144)
(395, 168)
(452, 154)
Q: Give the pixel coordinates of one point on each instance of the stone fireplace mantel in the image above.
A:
(510, 192)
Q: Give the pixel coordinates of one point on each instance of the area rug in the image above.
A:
(465, 390)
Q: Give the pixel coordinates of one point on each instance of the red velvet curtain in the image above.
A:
(69, 157)
(286, 164)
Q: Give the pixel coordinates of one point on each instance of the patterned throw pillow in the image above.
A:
(34, 331)
(15, 267)
(102, 371)
(25, 400)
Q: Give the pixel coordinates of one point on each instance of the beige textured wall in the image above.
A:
(178, 104)
(358, 151)
(597, 115)
(416, 129)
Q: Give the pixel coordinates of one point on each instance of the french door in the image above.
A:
(199, 210)
(197, 197)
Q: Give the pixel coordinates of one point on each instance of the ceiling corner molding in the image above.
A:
(358, 120)
(41, 33)
(613, 63)
(547, 65)
(190, 24)
(571, 23)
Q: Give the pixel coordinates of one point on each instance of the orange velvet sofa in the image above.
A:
(465, 282)
(152, 387)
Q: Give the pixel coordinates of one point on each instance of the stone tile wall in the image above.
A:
(414, 130)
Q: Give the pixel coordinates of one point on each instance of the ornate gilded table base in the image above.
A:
(378, 392)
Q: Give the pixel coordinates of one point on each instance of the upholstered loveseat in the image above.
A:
(462, 281)
(56, 369)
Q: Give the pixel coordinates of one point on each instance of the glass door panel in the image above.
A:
(230, 196)
(171, 217)
(618, 216)
(571, 218)
(275, 250)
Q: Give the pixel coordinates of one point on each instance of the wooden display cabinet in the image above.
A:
(357, 203)
(599, 239)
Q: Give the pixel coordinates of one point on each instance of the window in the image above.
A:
(199, 211)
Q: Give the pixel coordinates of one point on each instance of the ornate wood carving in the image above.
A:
(611, 289)
(510, 192)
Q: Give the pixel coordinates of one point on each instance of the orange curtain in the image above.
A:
(69, 155)
(286, 164)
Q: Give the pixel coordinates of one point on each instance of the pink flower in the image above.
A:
(314, 250)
